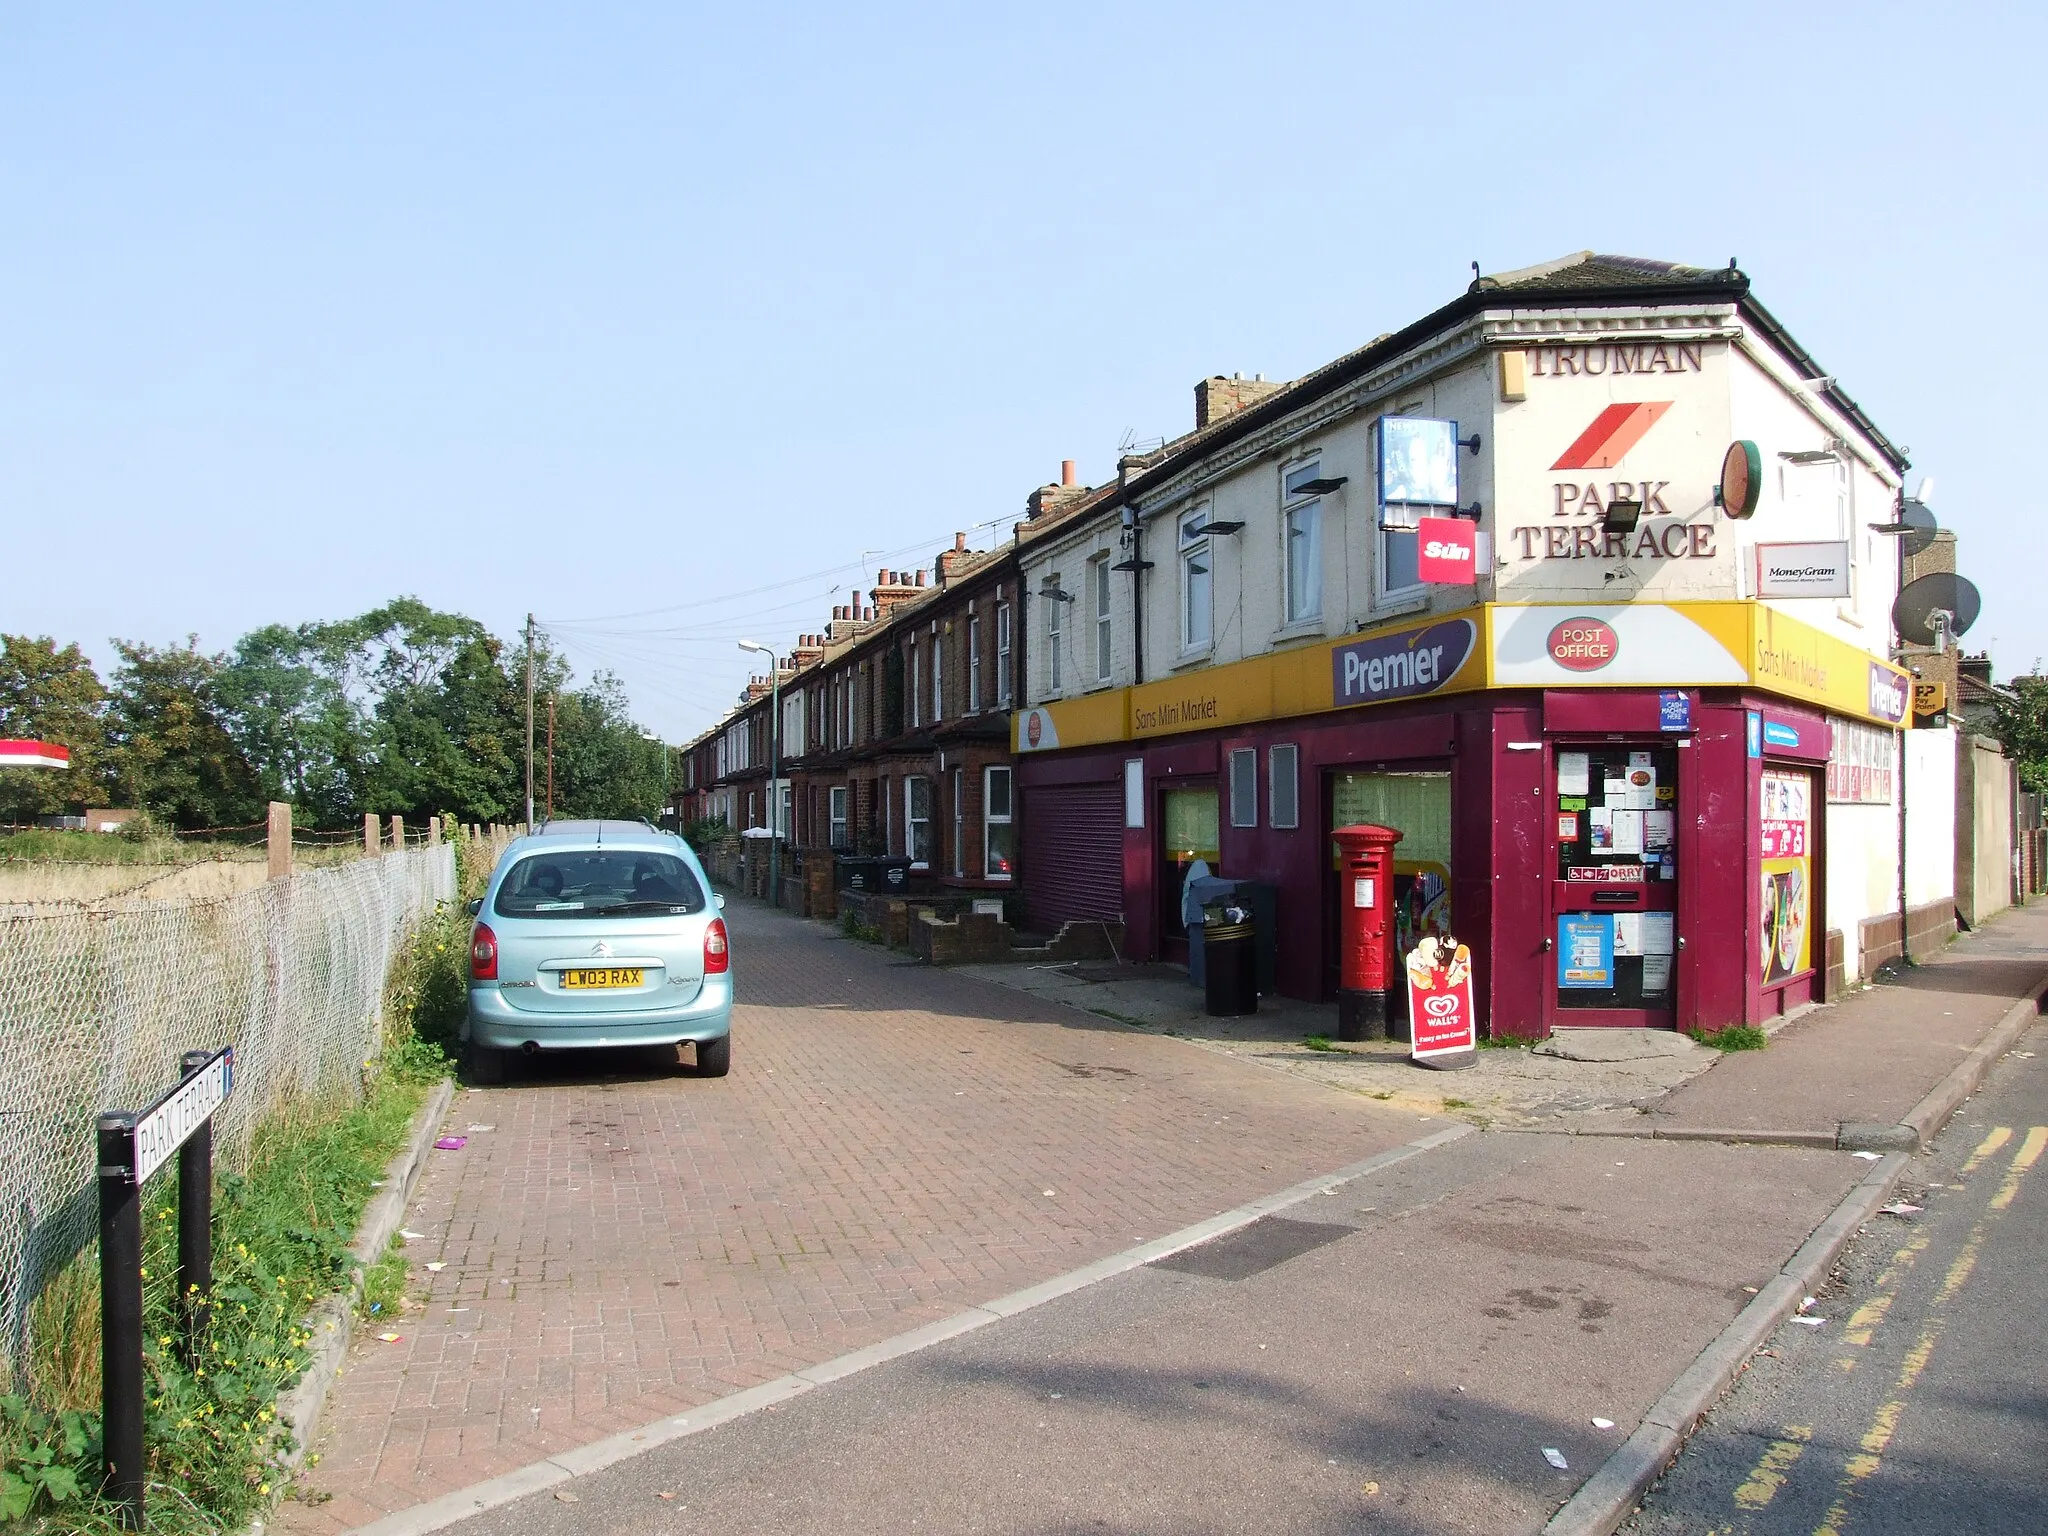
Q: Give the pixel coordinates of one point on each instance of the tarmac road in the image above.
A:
(1921, 1403)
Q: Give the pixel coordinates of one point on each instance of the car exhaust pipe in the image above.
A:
(531, 1048)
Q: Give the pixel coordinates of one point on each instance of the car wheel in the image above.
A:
(714, 1057)
(483, 1065)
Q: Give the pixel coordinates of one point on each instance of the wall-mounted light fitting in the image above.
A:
(1471, 442)
(1321, 486)
(1621, 516)
(1050, 589)
(1227, 525)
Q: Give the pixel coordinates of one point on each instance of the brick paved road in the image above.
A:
(894, 1143)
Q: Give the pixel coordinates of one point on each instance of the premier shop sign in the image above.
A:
(1400, 666)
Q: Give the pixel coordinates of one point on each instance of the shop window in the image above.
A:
(1418, 806)
(1616, 836)
(1134, 792)
(1002, 655)
(836, 825)
(1282, 766)
(1197, 588)
(1244, 787)
(998, 846)
(917, 820)
(1302, 528)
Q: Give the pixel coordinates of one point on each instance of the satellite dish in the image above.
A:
(1917, 519)
(1943, 592)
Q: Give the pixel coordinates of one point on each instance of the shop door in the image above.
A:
(1073, 854)
(1190, 828)
(1787, 971)
(1614, 891)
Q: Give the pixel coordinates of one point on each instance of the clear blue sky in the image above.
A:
(604, 308)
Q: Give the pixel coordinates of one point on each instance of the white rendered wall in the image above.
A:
(1930, 816)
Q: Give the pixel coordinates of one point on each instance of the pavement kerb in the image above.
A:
(1931, 1113)
(332, 1323)
(463, 1503)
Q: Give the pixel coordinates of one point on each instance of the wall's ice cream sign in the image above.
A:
(1400, 666)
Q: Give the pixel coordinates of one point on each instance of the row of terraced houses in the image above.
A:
(1650, 747)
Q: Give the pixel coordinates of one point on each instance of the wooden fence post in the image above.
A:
(398, 834)
(369, 832)
(279, 837)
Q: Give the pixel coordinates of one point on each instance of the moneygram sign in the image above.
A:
(1400, 666)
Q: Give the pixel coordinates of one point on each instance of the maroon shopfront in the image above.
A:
(1612, 856)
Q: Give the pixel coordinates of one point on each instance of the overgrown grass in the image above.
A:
(851, 925)
(1736, 1037)
(281, 1244)
(1318, 1042)
(46, 845)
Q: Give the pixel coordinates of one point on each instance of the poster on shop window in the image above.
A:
(1787, 893)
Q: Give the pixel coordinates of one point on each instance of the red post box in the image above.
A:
(1367, 969)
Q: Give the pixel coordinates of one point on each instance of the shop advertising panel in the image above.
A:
(1786, 907)
(1861, 762)
(1616, 645)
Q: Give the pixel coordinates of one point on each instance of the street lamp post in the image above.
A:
(774, 753)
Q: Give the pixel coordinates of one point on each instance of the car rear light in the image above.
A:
(716, 960)
(483, 954)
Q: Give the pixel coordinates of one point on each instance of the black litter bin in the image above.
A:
(1230, 985)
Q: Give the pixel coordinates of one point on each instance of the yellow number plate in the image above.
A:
(577, 981)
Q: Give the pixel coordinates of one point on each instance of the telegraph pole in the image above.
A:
(529, 724)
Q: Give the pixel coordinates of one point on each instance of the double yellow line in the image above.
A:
(1769, 1473)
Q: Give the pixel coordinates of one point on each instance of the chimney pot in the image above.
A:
(1066, 472)
(881, 578)
(960, 542)
(920, 578)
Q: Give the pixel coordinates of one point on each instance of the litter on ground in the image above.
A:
(1555, 1457)
(452, 1143)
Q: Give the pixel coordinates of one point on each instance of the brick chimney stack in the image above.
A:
(891, 589)
(810, 649)
(1050, 498)
(1218, 397)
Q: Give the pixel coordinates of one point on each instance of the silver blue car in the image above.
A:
(598, 933)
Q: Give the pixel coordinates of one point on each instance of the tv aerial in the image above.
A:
(1933, 609)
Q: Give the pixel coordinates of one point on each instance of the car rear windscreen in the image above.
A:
(598, 883)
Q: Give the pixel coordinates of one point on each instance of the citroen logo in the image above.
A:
(602, 951)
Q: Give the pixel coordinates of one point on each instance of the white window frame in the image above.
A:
(1244, 786)
(991, 820)
(914, 824)
(1002, 655)
(1055, 672)
(1283, 767)
(915, 690)
(973, 663)
(1195, 560)
(1098, 591)
(959, 823)
(938, 675)
(1301, 527)
(836, 828)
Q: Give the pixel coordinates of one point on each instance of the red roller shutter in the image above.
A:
(1073, 853)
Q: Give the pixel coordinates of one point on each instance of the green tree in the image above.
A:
(288, 709)
(2022, 726)
(47, 694)
(604, 764)
(172, 753)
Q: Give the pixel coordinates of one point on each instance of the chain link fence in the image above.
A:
(97, 1003)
